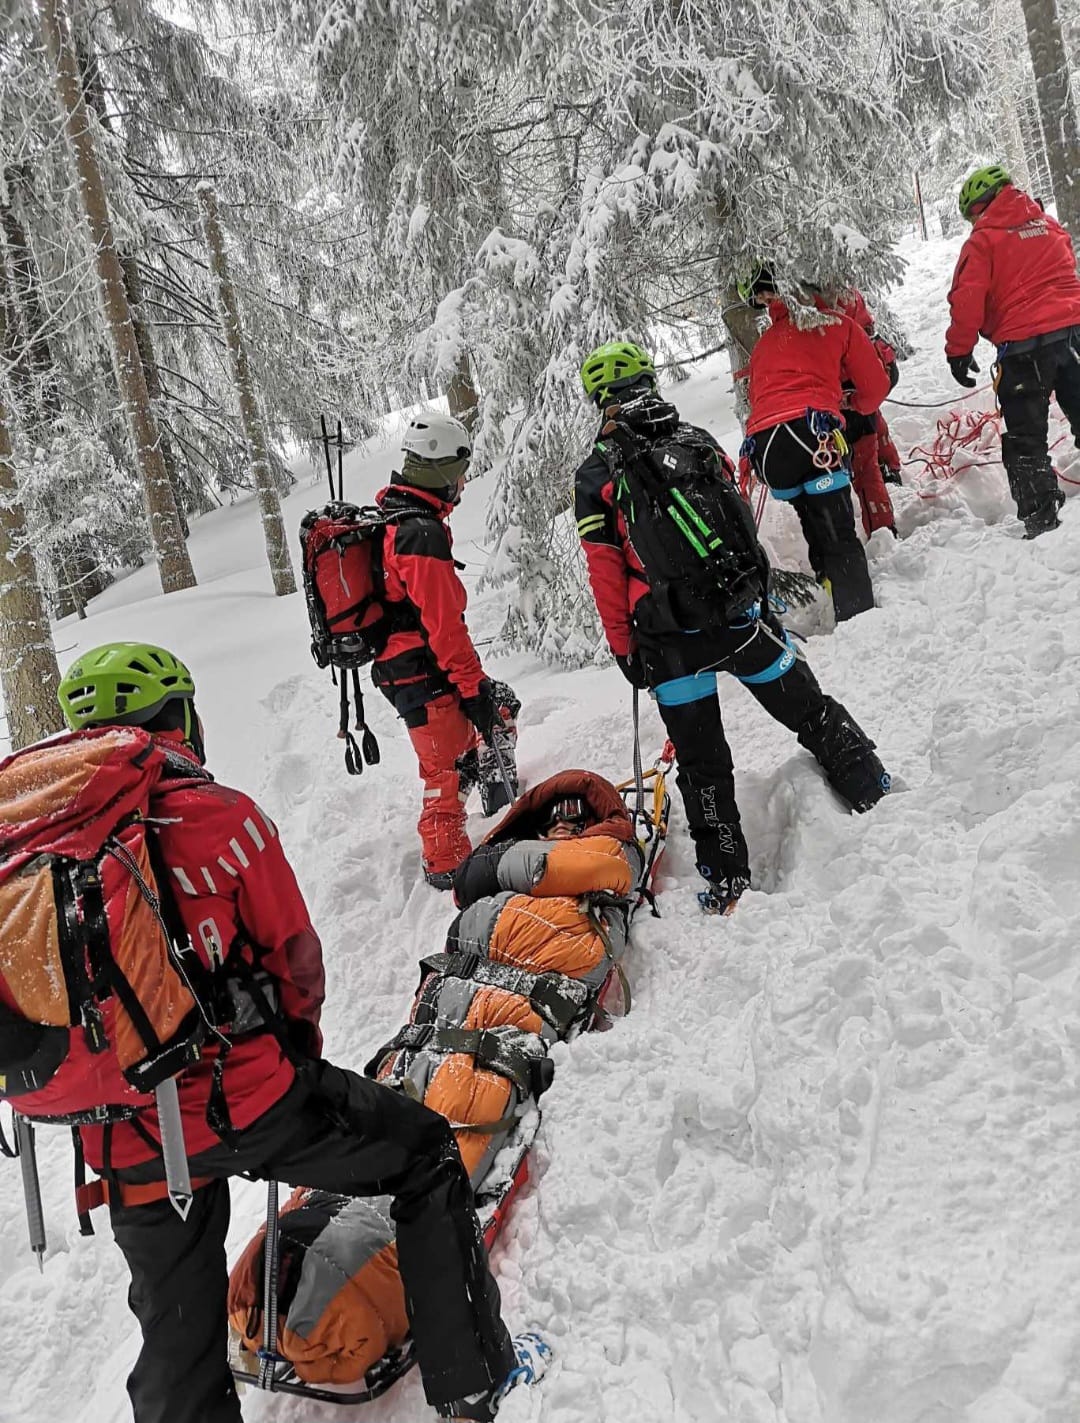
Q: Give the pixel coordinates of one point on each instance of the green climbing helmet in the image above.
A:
(122, 684)
(613, 366)
(983, 183)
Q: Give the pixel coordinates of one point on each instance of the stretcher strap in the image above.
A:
(488, 1128)
(595, 907)
(557, 998)
(521, 1057)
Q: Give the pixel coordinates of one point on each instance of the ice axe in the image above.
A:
(173, 1150)
(35, 1215)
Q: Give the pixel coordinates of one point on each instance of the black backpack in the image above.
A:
(687, 522)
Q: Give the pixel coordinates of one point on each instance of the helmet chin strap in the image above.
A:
(193, 733)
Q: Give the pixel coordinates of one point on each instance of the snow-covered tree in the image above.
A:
(167, 536)
(671, 146)
(29, 675)
(1061, 132)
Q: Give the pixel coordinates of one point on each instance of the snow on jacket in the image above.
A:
(853, 305)
(616, 574)
(793, 370)
(237, 896)
(1015, 277)
(431, 648)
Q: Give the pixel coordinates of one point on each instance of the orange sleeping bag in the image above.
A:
(342, 1305)
(523, 968)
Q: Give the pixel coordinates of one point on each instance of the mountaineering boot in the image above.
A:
(1045, 519)
(714, 901)
(533, 1356)
(846, 755)
(440, 879)
(1033, 485)
(723, 862)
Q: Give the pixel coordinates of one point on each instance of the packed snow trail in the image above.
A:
(826, 1170)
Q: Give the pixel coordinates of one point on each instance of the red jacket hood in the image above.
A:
(405, 494)
(523, 821)
(1011, 208)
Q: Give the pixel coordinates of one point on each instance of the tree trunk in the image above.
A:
(13, 354)
(1050, 62)
(133, 287)
(26, 296)
(174, 565)
(461, 394)
(741, 324)
(28, 671)
(277, 548)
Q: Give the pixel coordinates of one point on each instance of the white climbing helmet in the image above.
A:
(437, 437)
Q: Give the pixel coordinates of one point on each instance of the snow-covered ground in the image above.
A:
(826, 1170)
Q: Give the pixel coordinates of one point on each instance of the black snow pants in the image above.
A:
(1026, 380)
(335, 1131)
(682, 673)
(783, 457)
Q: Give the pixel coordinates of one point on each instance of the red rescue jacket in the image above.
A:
(235, 891)
(793, 370)
(1015, 277)
(432, 644)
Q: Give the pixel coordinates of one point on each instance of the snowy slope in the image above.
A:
(825, 1172)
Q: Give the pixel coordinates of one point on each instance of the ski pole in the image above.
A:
(340, 458)
(326, 452)
(268, 1355)
(173, 1148)
(503, 772)
(35, 1214)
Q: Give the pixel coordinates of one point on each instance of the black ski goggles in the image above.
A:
(570, 810)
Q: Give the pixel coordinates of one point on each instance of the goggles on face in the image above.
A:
(570, 810)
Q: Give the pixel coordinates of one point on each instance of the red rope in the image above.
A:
(961, 431)
(935, 404)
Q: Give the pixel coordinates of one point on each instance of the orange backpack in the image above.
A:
(97, 1003)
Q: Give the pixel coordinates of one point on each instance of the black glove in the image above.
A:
(961, 366)
(482, 711)
(633, 669)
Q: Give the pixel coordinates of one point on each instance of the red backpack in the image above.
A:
(351, 621)
(343, 584)
(97, 982)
